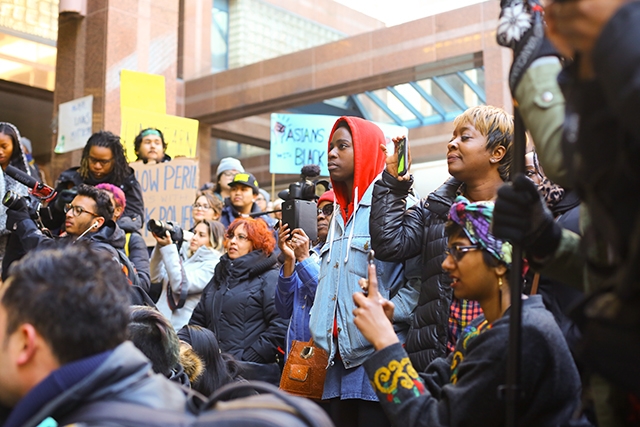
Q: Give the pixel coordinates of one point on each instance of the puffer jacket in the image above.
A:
(399, 234)
(238, 305)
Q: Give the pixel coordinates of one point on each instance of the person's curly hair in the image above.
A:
(258, 234)
(121, 169)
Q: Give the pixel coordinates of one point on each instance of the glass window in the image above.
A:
(220, 36)
(27, 62)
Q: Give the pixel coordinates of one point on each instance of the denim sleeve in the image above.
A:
(285, 293)
(308, 272)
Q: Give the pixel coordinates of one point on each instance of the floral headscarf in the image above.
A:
(475, 220)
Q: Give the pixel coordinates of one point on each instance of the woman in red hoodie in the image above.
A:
(355, 162)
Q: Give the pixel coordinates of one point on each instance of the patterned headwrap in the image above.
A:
(475, 220)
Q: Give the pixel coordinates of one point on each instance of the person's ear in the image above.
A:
(498, 154)
(501, 270)
(97, 223)
(25, 343)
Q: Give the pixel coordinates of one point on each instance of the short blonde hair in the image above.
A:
(497, 126)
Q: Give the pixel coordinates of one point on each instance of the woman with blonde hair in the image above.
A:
(184, 280)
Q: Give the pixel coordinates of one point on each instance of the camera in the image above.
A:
(299, 209)
(160, 228)
(13, 201)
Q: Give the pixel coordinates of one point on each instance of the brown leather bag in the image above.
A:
(305, 370)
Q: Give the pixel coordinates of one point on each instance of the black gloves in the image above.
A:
(64, 197)
(521, 28)
(521, 216)
(18, 212)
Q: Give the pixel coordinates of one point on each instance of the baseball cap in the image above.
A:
(246, 179)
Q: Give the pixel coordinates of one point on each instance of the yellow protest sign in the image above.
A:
(142, 91)
(168, 191)
(180, 133)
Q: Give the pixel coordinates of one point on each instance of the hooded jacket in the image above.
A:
(398, 234)
(191, 275)
(344, 256)
(238, 307)
(79, 392)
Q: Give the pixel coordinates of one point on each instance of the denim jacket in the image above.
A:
(295, 295)
(343, 262)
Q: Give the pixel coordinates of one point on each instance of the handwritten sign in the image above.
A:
(168, 190)
(302, 139)
(180, 133)
(74, 124)
(143, 91)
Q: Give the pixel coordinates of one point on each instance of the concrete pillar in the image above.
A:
(138, 35)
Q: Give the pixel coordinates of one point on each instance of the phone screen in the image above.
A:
(402, 157)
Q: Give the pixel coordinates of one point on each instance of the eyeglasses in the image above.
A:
(203, 207)
(457, 252)
(239, 237)
(229, 173)
(101, 162)
(77, 210)
(326, 210)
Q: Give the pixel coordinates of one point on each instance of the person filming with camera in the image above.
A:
(183, 280)
(87, 217)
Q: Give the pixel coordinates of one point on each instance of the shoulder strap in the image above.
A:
(227, 391)
(127, 239)
(126, 414)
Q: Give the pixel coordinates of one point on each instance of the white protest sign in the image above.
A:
(168, 189)
(302, 139)
(74, 124)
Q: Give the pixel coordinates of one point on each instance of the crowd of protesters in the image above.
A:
(410, 299)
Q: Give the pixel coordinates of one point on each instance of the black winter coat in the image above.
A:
(398, 234)
(133, 214)
(238, 305)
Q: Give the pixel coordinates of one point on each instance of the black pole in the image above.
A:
(512, 388)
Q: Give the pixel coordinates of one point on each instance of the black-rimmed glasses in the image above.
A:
(77, 210)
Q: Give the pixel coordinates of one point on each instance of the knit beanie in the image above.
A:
(229, 163)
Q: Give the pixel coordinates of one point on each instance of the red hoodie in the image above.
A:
(369, 160)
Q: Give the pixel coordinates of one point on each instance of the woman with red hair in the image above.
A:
(238, 303)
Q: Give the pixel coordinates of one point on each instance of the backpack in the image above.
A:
(271, 408)
(137, 294)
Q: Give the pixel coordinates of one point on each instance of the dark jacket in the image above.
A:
(76, 392)
(109, 238)
(399, 234)
(238, 305)
(461, 390)
(133, 214)
(137, 252)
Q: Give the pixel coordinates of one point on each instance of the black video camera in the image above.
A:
(38, 194)
(299, 209)
(160, 228)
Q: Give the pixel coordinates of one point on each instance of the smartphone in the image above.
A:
(403, 157)
(370, 258)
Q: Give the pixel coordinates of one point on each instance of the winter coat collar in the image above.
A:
(250, 265)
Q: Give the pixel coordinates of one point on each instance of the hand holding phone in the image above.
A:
(365, 284)
(403, 156)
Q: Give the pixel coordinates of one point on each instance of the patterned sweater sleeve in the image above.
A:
(412, 400)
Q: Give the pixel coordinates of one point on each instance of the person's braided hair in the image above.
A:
(109, 140)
